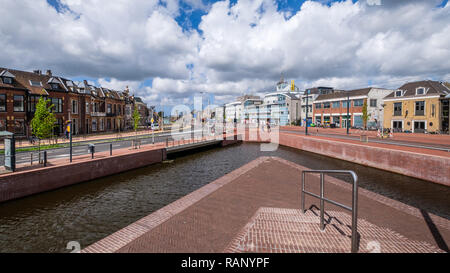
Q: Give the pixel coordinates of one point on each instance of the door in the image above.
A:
(419, 126)
(397, 126)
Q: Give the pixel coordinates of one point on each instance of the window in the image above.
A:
(398, 93)
(94, 124)
(344, 104)
(35, 83)
(3, 125)
(420, 91)
(358, 103)
(55, 86)
(74, 107)
(31, 105)
(2, 102)
(318, 105)
(420, 108)
(19, 127)
(373, 103)
(397, 126)
(326, 105)
(102, 124)
(397, 109)
(57, 108)
(7, 80)
(108, 109)
(336, 104)
(18, 104)
(87, 107)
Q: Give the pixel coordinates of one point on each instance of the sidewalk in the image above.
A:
(255, 209)
(23, 143)
(380, 145)
(25, 167)
(412, 137)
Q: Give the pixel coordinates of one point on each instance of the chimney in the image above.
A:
(49, 73)
(85, 83)
(37, 72)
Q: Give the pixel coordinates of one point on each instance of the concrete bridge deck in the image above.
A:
(255, 209)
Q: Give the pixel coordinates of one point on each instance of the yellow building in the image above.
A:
(417, 107)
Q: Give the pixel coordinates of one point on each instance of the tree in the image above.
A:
(365, 115)
(43, 121)
(136, 118)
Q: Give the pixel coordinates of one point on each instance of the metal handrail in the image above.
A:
(353, 209)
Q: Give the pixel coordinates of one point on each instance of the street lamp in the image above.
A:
(307, 108)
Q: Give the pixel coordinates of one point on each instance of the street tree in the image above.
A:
(365, 114)
(136, 120)
(43, 121)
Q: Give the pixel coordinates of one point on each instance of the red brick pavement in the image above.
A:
(209, 219)
(412, 137)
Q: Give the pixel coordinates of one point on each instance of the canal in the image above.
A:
(90, 211)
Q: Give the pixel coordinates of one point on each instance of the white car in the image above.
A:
(155, 126)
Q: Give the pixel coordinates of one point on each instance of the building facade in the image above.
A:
(417, 107)
(88, 108)
(332, 108)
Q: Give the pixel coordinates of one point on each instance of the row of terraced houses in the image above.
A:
(421, 106)
(89, 108)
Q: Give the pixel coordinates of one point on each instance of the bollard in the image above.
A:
(110, 149)
(31, 158)
(167, 142)
(45, 158)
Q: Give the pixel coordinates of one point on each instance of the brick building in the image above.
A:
(332, 108)
(90, 109)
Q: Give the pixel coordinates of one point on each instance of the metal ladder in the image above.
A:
(353, 209)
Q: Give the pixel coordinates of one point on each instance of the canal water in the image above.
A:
(90, 211)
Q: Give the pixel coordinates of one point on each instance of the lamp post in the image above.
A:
(348, 112)
(306, 117)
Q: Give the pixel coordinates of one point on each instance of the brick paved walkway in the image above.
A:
(213, 217)
(277, 230)
(441, 139)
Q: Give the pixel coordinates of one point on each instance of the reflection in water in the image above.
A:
(90, 211)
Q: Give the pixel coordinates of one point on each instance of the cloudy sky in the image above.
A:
(168, 50)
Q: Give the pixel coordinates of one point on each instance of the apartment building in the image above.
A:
(421, 106)
(307, 100)
(332, 108)
(90, 109)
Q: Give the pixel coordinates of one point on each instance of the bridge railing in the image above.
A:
(323, 199)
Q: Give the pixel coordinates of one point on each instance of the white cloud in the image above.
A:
(243, 48)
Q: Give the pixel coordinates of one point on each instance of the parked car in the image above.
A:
(155, 126)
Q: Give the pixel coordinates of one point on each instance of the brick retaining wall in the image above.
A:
(427, 167)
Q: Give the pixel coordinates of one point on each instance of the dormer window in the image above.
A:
(398, 93)
(420, 91)
(35, 83)
(55, 86)
(7, 80)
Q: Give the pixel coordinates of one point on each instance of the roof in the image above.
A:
(24, 79)
(434, 88)
(138, 99)
(316, 90)
(15, 84)
(344, 94)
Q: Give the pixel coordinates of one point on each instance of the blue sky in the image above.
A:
(159, 50)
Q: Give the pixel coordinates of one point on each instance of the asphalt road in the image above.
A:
(82, 148)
